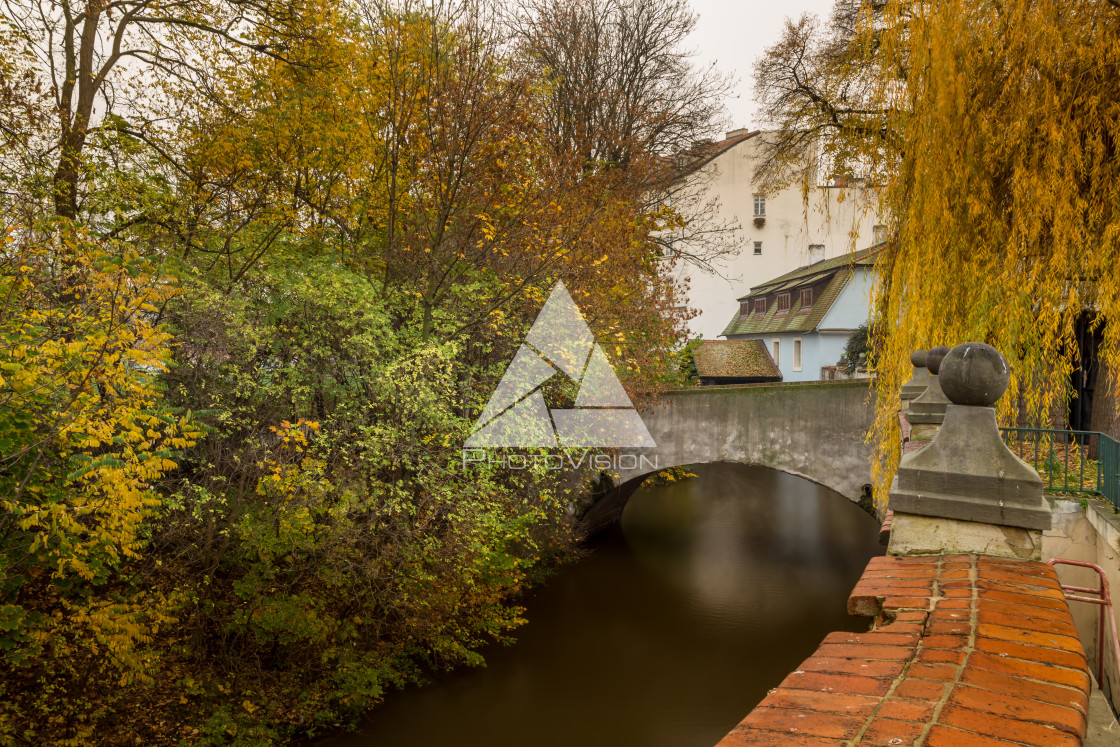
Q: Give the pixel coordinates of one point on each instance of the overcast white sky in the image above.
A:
(734, 34)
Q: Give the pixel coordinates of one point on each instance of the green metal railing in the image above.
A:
(1061, 458)
(1110, 470)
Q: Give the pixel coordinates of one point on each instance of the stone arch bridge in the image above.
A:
(814, 430)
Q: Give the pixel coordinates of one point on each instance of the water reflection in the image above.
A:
(676, 625)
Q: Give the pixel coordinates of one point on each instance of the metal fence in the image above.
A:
(1062, 459)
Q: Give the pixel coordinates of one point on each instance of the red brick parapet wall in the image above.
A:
(964, 651)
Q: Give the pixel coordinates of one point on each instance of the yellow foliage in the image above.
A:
(996, 150)
(83, 440)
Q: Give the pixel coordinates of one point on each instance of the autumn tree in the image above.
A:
(625, 98)
(623, 86)
(419, 156)
(992, 130)
(86, 437)
(103, 62)
(817, 89)
(257, 281)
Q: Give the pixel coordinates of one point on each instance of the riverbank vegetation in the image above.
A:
(261, 267)
(990, 131)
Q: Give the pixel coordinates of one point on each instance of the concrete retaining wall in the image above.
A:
(1090, 534)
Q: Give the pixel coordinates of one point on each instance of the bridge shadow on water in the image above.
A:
(708, 593)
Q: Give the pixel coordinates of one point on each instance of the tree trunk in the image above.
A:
(79, 90)
(426, 332)
(66, 176)
(1105, 417)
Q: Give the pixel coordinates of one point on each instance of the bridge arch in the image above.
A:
(813, 430)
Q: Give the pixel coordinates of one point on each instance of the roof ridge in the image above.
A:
(708, 152)
(820, 267)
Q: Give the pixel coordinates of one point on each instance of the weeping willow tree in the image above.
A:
(991, 129)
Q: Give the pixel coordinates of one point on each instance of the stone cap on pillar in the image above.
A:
(929, 407)
(967, 472)
(919, 379)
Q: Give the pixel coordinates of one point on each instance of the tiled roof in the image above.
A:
(837, 271)
(795, 320)
(862, 258)
(698, 156)
(735, 358)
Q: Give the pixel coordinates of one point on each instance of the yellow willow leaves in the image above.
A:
(1000, 172)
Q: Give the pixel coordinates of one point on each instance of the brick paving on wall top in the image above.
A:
(964, 651)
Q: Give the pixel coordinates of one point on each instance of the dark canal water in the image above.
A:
(675, 625)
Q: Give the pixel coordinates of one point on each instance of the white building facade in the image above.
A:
(776, 233)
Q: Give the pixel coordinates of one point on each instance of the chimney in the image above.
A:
(737, 133)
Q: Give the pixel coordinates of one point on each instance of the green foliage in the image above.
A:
(857, 350)
(341, 549)
(689, 374)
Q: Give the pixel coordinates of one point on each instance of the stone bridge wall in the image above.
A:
(814, 430)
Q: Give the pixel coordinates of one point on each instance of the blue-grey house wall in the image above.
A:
(852, 305)
(824, 345)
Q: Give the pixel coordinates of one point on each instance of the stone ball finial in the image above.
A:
(918, 358)
(974, 374)
(934, 358)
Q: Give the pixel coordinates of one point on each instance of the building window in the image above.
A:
(744, 308)
(758, 247)
(775, 346)
(760, 306)
(880, 234)
(783, 303)
(797, 354)
(760, 206)
(806, 298)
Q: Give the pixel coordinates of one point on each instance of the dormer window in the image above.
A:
(806, 298)
(783, 303)
(760, 306)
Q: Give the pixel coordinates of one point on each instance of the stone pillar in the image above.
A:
(927, 411)
(919, 379)
(966, 492)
